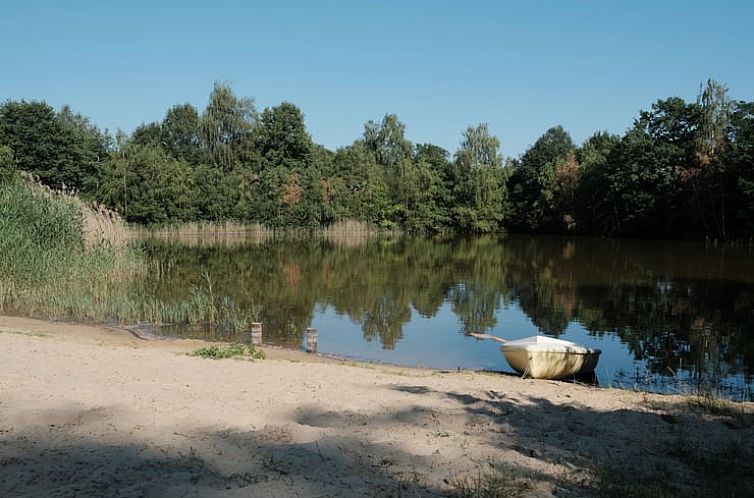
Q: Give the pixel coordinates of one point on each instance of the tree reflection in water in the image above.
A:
(678, 307)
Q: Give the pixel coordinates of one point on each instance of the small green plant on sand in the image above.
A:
(220, 352)
(256, 354)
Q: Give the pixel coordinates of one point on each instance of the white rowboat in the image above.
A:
(543, 357)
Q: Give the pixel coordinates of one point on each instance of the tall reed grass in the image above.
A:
(63, 259)
(54, 249)
(208, 233)
(347, 233)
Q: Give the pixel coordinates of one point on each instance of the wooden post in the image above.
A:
(311, 340)
(256, 334)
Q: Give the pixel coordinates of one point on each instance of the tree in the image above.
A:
(481, 198)
(669, 160)
(283, 139)
(147, 186)
(437, 159)
(591, 194)
(30, 130)
(417, 190)
(226, 126)
(359, 189)
(641, 181)
(224, 195)
(387, 140)
(180, 133)
(303, 199)
(543, 182)
(85, 146)
(714, 118)
(266, 197)
(740, 170)
(147, 134)
(710, 143)
(59, 148)
(671, 121)
(283, 198)
(322, 165)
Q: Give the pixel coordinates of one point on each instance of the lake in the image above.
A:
(668, 316)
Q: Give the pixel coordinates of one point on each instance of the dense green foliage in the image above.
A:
(681, 170)
(61, 148)
(170, 196)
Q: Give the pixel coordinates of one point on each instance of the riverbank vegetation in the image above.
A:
(63, 259)
(681, 170)
(50, 243)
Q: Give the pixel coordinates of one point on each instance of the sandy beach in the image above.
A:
(92, 411)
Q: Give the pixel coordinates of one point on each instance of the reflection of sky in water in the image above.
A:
(438, 342)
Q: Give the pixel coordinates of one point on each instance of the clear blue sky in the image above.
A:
(440, 66)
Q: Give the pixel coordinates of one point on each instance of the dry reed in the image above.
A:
(102, 226)
(347, 233)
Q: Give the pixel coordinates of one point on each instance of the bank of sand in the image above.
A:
(90, 411)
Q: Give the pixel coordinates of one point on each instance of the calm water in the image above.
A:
(667, 316)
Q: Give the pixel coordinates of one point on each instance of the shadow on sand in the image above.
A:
(678, 450)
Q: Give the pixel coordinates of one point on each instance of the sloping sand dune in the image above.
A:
(89, 411)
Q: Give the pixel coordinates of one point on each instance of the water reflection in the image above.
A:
(682, 311)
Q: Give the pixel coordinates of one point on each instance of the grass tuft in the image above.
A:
(699, 469)
(230, 351)
(612, 483)
(490, 481)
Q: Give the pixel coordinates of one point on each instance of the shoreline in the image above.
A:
(94, 411)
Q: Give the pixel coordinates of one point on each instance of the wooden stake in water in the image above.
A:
(256, 334)
(311, 340)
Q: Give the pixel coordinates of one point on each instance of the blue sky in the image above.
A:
(440, 66)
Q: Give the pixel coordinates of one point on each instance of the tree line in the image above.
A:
(682, 170)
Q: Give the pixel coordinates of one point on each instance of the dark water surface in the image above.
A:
(668, 316)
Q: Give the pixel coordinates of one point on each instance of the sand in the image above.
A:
(92, 411)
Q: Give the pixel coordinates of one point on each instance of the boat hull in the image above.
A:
(549, 358)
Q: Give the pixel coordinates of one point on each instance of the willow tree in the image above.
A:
(226, 126)
(387, 140)
(393, 154)
(481, 197)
